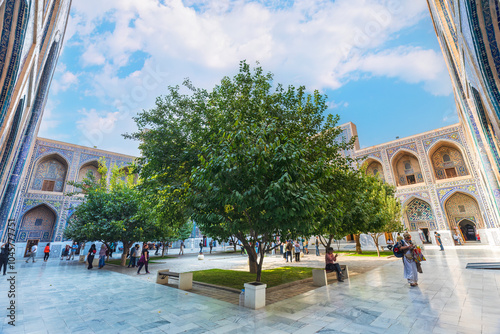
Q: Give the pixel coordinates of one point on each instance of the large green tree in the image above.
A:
(250, 153)
(108, 213)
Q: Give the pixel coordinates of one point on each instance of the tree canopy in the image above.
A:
(111, 212)
(250, 154)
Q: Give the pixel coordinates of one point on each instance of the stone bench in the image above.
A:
(319, 275)
(185, 279)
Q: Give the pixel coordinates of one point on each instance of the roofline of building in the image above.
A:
(405, 138)
(87, 148)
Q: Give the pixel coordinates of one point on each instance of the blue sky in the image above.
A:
(378, 61)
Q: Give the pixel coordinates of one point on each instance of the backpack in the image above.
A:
(396, 250)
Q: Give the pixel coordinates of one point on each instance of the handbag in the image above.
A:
(419, 268)
(142, 260)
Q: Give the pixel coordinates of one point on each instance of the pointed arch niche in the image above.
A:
(419, 215)
(447, 161)
(50, 174)
(374, 167)
(407, 169)
(91, 167)
(461, 206)
(37, 223)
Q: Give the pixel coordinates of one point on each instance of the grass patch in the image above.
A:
(235, 279)
(365, 253)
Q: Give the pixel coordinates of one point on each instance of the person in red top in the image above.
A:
(331, 265)
(46, 252)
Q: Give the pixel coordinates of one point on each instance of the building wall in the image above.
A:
(69, 163)
(433, 203)
(33, 32)
(469, 36)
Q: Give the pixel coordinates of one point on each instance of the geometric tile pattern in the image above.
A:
(38, 223)
(453, 159)
(461, 206)
(52, 170)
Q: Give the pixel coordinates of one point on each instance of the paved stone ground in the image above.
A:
(64, 297)
(356, 265)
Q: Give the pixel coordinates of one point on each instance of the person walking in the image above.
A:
(332, 265)
(317, 246)
(297, 251)
(211, 244)
(46, 253)
(143, 261)
(32, 256)
(201, 247)
(410, 266)
(102, 256)
(74, 248)
(181, 249)
(305, 245)
(90, 256)
(289, 248)
(438, 240)
(4, 257)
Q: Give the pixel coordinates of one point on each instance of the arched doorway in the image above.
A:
(468, 229)
(38, 223)
(420, 217)
(464, 213)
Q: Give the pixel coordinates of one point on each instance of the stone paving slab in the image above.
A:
(64, 297)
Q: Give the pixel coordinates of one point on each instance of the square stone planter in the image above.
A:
(255, 295)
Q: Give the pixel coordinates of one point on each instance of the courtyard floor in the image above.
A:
(65, 297)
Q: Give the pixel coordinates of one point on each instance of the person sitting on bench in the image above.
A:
(331, 265)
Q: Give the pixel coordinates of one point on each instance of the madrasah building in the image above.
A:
(447, 179)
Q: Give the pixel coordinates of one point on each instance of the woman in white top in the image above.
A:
(410, 266)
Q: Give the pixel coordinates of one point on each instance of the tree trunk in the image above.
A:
(358, 244)
(163, 250)
(252, 260)
(126, 248)
(376, 245)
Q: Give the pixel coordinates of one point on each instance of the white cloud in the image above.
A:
(63, 80)
(95, 125)
(322, 44)
(410, 64)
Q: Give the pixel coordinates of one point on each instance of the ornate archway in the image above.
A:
(37, 223)
(460, 206)
(407, 170)
(447, 161)
(50, 174)
(374, 167)
(419, 215)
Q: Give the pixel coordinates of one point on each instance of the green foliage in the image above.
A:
(109, 213)
(247, 156)
(356, 203)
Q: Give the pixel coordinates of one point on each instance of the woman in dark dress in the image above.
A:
(90, 256)
(143, 261)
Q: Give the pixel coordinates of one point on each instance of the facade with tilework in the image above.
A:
(43, 210)
(32, 34)
(469, 35)
(439, 183)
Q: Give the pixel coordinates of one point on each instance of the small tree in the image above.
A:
(109, 213)
(388, 212)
